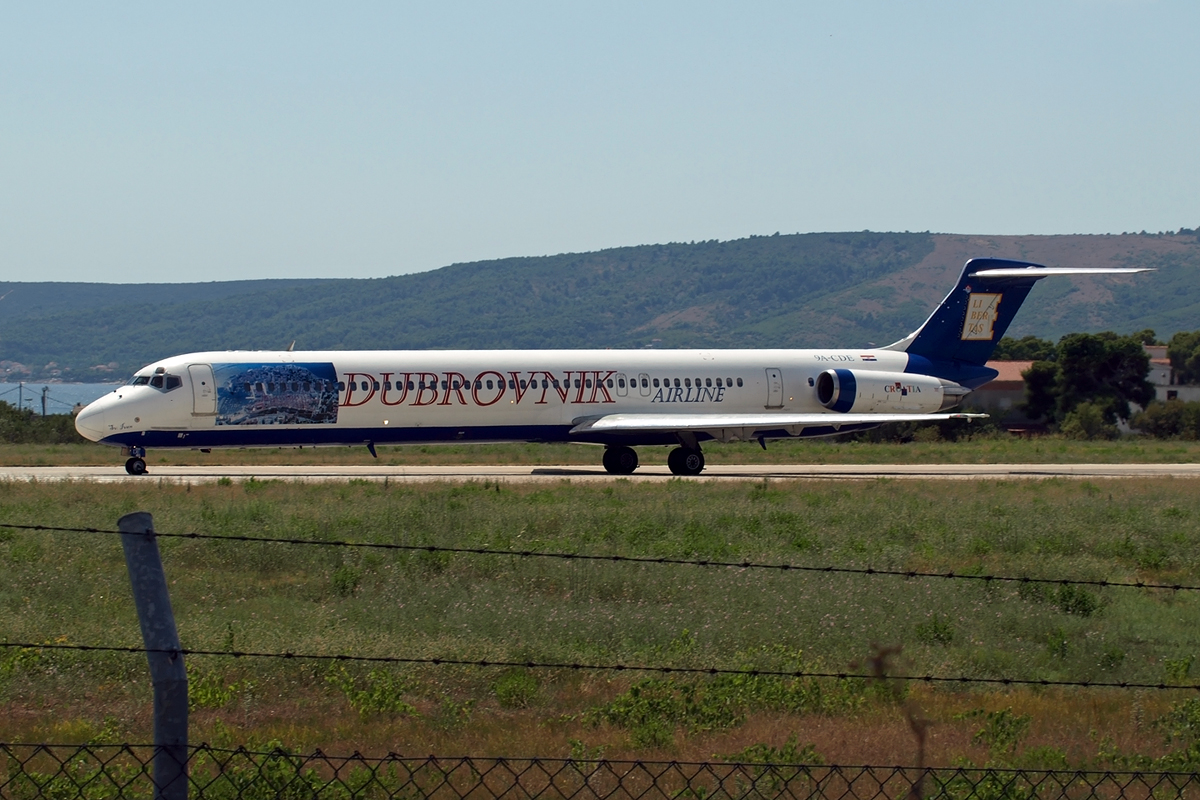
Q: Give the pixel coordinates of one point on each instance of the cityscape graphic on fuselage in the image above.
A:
(276, 394)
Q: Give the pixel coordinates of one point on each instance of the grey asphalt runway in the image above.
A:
(550, 474)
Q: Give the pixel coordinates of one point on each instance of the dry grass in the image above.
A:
(276, 597)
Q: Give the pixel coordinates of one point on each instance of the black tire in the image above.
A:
(683, 461)
(620, 460)
(135, 466)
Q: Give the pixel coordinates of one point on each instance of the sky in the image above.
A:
(155, 142)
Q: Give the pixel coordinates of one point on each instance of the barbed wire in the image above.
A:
(705, 562)
(662, 670)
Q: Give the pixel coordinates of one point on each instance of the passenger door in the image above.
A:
(774, 388)
(204, 390)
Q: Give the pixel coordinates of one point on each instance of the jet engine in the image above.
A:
(866, 391)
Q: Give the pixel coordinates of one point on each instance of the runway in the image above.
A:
(589, 474)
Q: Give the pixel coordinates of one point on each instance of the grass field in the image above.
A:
(986, 449)
(72, 588)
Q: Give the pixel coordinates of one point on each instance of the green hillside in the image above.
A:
(776, 291)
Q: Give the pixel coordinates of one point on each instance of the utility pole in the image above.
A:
(45, 391)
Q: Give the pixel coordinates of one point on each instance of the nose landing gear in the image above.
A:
(685, 461)
(136, 464)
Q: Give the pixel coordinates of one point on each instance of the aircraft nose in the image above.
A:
(90, 422)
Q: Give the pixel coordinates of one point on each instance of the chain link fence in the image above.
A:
(99, 772)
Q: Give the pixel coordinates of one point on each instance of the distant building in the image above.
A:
(1162, 375)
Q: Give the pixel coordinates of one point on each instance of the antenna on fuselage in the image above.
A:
(291, 346)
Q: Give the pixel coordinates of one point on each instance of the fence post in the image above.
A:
(167, 672)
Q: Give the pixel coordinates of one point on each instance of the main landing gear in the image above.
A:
(686, 461)
(136, 464)
(620, 460)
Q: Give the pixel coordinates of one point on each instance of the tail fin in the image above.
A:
(971, 320)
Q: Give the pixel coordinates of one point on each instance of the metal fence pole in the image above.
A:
(167, 672)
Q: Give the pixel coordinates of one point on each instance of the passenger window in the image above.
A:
(708, 381)
(656, 383)
(610, 383)
(587, 383)
(443, 384)
(687, 382)
(677, 383)
(577, 383)
(376, 385)
(554, 383)
(646, 385)
(545, 383)
(739, 381)
(524, 385)
(410, 386)
(341, 386)
(512, 384)
(387, 385)
(729, 382)
(620, 383)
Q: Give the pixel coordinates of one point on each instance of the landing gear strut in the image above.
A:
(685, 461)
(620, 460)
(136, 465)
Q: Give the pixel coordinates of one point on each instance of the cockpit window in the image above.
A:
(157, 381)
(139, 380)
(174, 382)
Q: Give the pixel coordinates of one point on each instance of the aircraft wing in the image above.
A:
(746, 423)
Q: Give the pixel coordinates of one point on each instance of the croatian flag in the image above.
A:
(867, 357)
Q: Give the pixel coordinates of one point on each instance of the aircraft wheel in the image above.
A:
(136, 466)
(620, 460)
(683, 461)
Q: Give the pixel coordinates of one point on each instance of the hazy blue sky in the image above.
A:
(164, 142)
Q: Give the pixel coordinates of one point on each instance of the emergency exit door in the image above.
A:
(774, 388)
(204, 389)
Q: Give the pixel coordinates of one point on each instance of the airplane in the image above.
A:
(615, 398)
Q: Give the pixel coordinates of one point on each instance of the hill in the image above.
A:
(772, 291)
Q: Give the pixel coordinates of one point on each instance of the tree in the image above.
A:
(1104, 369)
(1041, 396)
(1030, 348)
(1184, 352)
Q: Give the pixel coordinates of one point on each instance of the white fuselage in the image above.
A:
(253, 398)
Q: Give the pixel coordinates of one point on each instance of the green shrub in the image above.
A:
(1087, 423)
(1173, 419)
(515, 689)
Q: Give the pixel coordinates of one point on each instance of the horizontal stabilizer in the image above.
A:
(1046, 272)
(640, 423)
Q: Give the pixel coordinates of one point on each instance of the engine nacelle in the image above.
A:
(866, 391)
